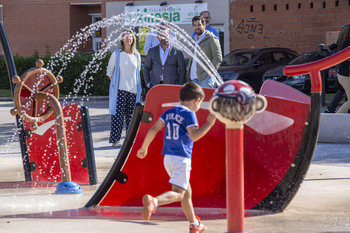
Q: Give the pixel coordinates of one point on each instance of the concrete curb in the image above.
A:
(6, 99)
(334, 128)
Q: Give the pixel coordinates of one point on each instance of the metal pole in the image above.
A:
(60, 132)
(89, 148)
(235, 179)
(11, 70)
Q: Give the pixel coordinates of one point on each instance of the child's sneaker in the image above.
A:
(149, 207)
(201, 227)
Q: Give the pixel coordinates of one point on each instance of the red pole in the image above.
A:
(235, 103)
(235, 179)
(314, 68)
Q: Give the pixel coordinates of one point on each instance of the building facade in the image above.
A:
(300, 25)
(45, 26)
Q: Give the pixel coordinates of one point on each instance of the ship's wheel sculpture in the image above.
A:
(29, 93)
(35, 99)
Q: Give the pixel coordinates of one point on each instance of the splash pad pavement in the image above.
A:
(321, 205)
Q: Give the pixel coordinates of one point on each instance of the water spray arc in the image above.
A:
(118, 23)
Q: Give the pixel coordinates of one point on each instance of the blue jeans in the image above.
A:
(208, 82)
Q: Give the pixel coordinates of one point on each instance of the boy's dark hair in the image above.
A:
(191, 91)
(198, 17)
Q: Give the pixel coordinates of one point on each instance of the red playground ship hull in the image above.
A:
(278, 149)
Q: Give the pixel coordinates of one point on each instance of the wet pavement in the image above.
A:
(322, 203)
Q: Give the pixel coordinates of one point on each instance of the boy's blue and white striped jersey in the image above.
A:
(177, 141)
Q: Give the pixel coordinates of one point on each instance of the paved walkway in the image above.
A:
(321, 205)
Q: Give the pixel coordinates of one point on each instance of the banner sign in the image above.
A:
(176, 13)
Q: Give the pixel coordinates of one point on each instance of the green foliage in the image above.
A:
(4, 78)
(22, 65)
(83, 74)
(142, 38)
(93, 82)
(5, 93)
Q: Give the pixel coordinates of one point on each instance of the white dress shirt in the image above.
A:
(163, 55)
(193, 73)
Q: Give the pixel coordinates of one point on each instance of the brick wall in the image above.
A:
(35, 27)
(80, 18)
(297, 24)
(40, 25)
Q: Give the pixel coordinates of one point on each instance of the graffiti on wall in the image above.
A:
(250, 27)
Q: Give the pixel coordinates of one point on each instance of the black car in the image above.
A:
(249, 65)
(302, 82)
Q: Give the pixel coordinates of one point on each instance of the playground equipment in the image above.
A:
(267, 158)
(278, 149)
(36, 96)
(42, 111)
(234, 103)
(35, 104)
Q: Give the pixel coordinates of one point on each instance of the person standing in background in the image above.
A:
(210, 45)
(165, 64)
(152, 36)
(343, 68)
(339, 95)
(125, 88)
(206, 16)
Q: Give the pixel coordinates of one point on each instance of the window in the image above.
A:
(96, 37)
(279, 57)
(237, 58)
(265, 59)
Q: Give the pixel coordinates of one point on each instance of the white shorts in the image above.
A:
(179, 170)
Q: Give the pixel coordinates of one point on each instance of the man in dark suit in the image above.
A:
(164, 64)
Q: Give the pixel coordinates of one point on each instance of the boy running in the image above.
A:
(181, 130)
